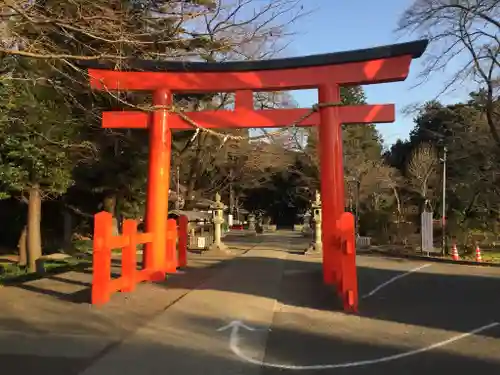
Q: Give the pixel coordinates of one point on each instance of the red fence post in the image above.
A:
(129, 255)
(172, 225)
(171, 261)
(349, 283)
(183, 241)
(175, 240)
(101, 258)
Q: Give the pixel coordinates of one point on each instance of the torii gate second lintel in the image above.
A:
(325, 72)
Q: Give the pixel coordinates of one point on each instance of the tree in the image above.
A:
(362, 146)
(363, 165)
(422, 173)
(464, 33)
(472, 164)
(208, 161)
(58, 34)
(282, 197)
(45, 40)
(39, 146)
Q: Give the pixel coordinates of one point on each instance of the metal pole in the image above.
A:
(443, 214)
(230, 216)
(231, 192)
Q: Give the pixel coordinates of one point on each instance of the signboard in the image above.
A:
(427, 233)
(201, 242)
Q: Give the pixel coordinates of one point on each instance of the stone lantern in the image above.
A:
(218, 218)
(251, 222)
(316, 246)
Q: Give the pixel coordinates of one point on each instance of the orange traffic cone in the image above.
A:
(478, 254)
(454, 252)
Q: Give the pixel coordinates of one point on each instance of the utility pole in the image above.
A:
(230, 217)
(231, 192)
(356, 222)
(443, 213)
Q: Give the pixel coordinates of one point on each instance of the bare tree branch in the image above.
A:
(463, 33)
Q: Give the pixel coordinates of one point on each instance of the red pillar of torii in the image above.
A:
(325, 72)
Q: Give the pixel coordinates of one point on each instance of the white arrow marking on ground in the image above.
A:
(390, 281)
(234, 340)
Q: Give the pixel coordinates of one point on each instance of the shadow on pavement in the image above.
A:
(457, 303)
(36, 365)
(297, 344)
(437, 300)
(82, 293)
(288, 343)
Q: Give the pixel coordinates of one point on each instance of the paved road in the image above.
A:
(47, 325)
(430, 306)
(415, 318)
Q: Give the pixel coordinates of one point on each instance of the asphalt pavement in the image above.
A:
(415, 318)
(266, 311)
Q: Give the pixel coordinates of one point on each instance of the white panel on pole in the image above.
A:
(427, 233)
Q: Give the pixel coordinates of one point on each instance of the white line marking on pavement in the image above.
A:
(234, 339)
(395, 278)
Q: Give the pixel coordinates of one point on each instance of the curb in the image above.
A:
(428, 259)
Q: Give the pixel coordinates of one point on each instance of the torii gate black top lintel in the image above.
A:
(414, 49)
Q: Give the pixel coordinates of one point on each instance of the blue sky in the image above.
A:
(339, 25)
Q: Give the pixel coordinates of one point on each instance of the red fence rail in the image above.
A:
(103, 285)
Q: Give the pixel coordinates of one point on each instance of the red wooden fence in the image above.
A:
(103, 285)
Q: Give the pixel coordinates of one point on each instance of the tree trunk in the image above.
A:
(190, 200)
(23, 256)
(237, 207)
(195, 171)
(398, 202)
(376, 202)
(177, 169)
(34, 233)
(490, 109)
(118, 215)
(109, 205)
(67, 231)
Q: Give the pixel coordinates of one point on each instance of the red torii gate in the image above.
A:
(326, 72)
